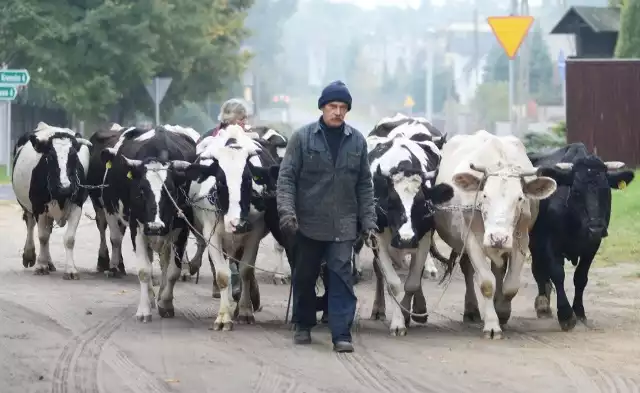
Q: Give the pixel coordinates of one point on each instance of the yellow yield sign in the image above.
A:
(408, 102)
(510, 31)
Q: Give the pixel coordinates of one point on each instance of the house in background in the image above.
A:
(595, 30)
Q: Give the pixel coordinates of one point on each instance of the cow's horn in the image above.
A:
(134, 163)
(180, 165)
(564, 165)
(85, 142)
(532, 172)
(478, 168)
(613, 165)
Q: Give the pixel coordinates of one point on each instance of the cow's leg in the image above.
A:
(196, 262)
(430, 268)
(322, 302)
(29, 253)
(121, 269)
(247, 273)
(413, 283)
(580, 279)
(540, 270)
(485, 287)
(378, 310)
(143, 262)
(115, 234)
(283, 272)
(222, 277)
(357, 266)
(471, 311)
(103, 251)
(70, 270)
(501, 302)
(172, 266)
(216, 289)
(397, 326)
(43, 262)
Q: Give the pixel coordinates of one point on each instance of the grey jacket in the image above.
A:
(328, 201)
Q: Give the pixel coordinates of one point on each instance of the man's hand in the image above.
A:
(370, 238)
(289, 225)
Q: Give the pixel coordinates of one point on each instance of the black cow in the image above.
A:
(49, 170)
(146, 177)
(571, 224)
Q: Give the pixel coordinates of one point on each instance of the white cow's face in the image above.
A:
(503, 197)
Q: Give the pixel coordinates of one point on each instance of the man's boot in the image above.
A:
(302, 336)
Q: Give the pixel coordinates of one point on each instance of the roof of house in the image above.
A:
(598, 19)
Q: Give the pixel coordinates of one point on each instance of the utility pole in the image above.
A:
(523, 77)
(512, 83)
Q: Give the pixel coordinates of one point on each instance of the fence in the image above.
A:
(603, 107)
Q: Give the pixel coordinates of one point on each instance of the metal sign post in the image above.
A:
(157, 89)
(10, 80)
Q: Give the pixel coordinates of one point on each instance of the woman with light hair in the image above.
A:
(233, 111)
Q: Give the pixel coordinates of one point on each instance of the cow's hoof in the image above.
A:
(493, 334)
(166, 312)
(103, 263)
(224, 326)
(569, 323)
(29, 258)
(357, 276)
(503, 317)
(378, 315)
(543, 309)
(51, 267)
(235, 294)
(121, 269)
(41, 270)
(144, 318)
(112, 273)
(471, 316)
(398, 331)
(420, 318)
(70, 276)
(216, 295)
(185, 277)
(246, 319)
(258, 309)
(280, 279)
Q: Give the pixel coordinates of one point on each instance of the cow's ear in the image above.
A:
(38, 145)
(440, 193)
(467, 181)
(274, 172)
(199, 172)
(540, 188)
(620, 179)
(108, 154)
(562, 175)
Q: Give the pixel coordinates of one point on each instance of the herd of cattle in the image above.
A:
(483, 195)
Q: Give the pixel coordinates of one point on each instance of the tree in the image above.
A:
(93, 58)
(491, 103)
(628, 45)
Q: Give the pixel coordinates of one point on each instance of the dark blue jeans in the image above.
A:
(309, 254)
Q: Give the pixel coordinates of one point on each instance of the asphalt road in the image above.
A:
(81, 336)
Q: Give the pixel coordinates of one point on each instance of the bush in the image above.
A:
(546, 140)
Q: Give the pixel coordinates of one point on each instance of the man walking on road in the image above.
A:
(325, 195)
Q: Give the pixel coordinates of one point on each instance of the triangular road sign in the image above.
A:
(163, 86)
(408, 102)
(510, 31)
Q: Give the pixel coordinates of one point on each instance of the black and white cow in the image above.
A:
(275, 142)
(113, 138)
(146, 176)
(49, 169)
(419, 129)
(227, 186)
(403, 181)
(415, 129)
(571, 224)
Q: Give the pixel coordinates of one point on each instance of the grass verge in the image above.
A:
(4, 179)
(623, 242)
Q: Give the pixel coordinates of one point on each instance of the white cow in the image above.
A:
(497, 171)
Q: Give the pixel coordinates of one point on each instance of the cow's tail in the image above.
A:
(449, 263)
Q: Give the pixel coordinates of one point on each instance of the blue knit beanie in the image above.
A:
(335, 91)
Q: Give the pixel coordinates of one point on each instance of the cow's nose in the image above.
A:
(64, 191)
(154, 228)
(498, 241)
(595, 230)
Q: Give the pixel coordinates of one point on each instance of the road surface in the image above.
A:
(81, 336)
